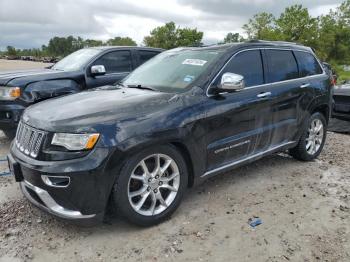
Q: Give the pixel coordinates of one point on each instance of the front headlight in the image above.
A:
(75, 142)
(9, 93)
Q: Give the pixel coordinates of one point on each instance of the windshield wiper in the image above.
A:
(142, 87)
(120, 84)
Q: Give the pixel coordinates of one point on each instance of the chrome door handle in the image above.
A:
(262, 95)
(305, 85)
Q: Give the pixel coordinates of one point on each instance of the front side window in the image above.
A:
(115, 62)
(249, 65)
(282, 65)
(308, 65)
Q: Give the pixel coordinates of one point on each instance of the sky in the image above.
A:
(31, 23)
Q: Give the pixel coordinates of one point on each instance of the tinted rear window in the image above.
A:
(247, 64)
(282, 65)
(146, 55)
(308, 65)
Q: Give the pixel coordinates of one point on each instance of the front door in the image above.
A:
(237, 123)
(118, 65)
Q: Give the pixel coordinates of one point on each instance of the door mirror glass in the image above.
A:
(98, 70)
(231, 82)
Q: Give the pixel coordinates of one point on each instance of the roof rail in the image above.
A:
(271, 42)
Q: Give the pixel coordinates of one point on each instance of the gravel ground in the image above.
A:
(19, 64)
(304, 209)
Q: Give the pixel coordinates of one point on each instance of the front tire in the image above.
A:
(312, 139)
(151, 185)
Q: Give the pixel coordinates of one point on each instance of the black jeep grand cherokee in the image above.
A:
(182, 117)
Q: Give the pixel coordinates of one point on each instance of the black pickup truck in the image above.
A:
(84, 69)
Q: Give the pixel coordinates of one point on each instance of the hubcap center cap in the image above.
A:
(154, 184)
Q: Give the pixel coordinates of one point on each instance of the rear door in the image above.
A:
(237, 122)
(118, 64)
(287, 95)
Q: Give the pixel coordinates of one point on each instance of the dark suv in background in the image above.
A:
(81, 70)
(184, 116)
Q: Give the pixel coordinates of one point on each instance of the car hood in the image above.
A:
(86, 111)
(23, 77)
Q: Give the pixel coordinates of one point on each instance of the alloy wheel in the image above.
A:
(153, 184)
(315, 136)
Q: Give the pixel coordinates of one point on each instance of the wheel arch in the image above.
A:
(118, 157)
(324, 109)
(188, 159)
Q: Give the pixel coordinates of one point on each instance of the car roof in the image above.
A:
(126, 47)
(252, 44)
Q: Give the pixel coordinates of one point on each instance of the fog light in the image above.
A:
(56, 181)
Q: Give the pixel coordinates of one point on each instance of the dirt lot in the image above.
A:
(304, 207)
(18, 64)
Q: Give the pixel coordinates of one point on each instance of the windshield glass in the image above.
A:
(76, 60)
(173, 70)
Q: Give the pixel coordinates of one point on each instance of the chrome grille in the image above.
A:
(29, 140)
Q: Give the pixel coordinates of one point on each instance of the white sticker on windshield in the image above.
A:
(195, 62)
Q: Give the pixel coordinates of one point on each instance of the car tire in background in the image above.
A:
(312, 139)
(151, 185)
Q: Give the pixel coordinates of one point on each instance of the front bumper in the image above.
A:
(10, 114)
(42, 199)
(84, 198)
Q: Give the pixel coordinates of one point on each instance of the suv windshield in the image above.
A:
(76, 60)
(173, 70)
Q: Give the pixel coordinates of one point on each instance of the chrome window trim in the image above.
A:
(267, 84)
(116, 73)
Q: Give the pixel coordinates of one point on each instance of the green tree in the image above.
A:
(233, 38)
(169, 36)
(333, 43)
(92, 43)
(296, 25)
(121, 41)
(261, 26)
(62, 46)
(162, 36)
(188, 37)
(11, 51)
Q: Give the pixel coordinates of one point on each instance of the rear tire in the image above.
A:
(151, 185)
(312, 139)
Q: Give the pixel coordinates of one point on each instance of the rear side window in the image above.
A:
(247, 64)
(146, 55)
(115, 62)
(308, 65)
(282, 65)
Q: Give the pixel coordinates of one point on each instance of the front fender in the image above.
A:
(191, 146)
